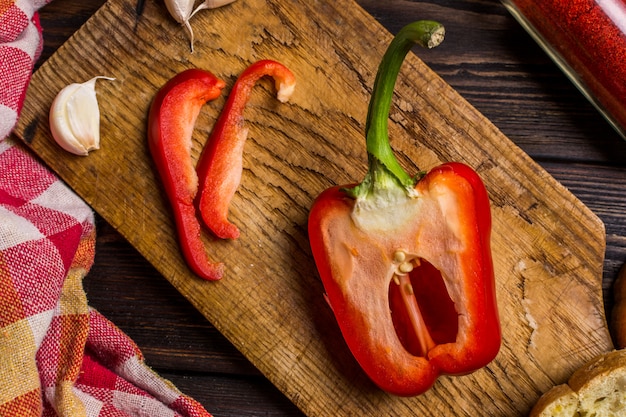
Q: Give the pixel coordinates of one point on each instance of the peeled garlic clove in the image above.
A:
(75, 117)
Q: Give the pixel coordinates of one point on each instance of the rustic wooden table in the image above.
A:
(489, 59)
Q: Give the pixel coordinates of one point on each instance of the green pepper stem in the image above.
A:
(382, 162)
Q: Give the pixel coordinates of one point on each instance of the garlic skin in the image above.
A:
(75, 117)
(182, 11)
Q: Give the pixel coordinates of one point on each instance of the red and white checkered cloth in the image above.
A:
(58, 356)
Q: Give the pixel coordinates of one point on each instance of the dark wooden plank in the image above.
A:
(228, 396)
(60, 19)
(601, 188)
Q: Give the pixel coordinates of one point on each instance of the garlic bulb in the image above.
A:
(75, 117)
(182, 11)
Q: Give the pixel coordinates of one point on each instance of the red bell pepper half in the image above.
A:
(221, 163)
(171, 120)
(406, 261)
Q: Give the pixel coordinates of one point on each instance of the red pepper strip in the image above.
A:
(173, 114)
(221, 163)
(406, 262)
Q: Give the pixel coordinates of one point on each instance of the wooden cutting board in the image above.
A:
(548, 247)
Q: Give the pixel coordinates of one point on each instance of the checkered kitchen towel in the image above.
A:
(58, 356)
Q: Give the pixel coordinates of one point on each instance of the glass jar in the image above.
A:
(587, 40)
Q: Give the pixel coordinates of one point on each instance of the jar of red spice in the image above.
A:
(587, 40)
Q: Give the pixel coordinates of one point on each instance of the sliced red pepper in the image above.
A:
(221, 163)
(406, 262)
(172, 117)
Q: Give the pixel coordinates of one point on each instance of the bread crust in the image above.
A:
(560, 400)
(600, 384)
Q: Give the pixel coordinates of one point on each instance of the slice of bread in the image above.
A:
(598, 389)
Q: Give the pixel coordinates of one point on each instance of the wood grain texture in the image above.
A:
(269, 304)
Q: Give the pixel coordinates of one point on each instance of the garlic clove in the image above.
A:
(75, 117)
(182, 11)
